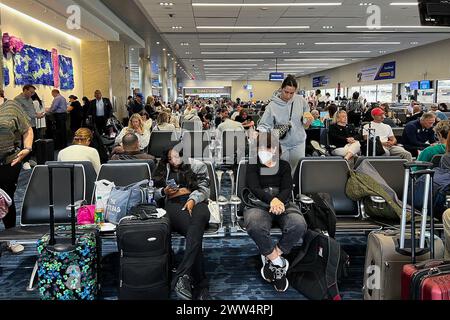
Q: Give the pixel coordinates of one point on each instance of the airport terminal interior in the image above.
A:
(225, 150)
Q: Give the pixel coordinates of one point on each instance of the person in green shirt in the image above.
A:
(317, 123)
(442, 129)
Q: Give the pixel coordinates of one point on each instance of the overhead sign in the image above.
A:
(320, 81)
(276, 76)
(384, 71)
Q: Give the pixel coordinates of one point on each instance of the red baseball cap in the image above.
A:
(377, 112)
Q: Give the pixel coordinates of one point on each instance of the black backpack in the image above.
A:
(317, 266)
(321, 216)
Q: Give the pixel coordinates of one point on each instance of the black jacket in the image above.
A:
(108, 108)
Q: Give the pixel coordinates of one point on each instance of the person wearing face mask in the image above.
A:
(288, 107)
(186, 203)
(269, 179)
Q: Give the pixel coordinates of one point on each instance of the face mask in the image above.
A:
(265, 156)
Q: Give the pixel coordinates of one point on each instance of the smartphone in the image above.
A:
(172, 184)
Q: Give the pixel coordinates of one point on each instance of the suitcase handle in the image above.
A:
(71, 167)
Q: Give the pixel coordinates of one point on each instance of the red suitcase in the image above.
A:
(436, 287)
(414, 277)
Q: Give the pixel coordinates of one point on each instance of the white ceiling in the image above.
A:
(350, 13)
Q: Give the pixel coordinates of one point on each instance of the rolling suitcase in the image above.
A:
(388, 251)
(45, 150)
(67, 264)
(144, 244)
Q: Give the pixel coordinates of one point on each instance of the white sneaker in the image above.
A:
(318, 147)
(15, 248)
(26, 166)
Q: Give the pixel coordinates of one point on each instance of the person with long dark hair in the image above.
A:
(186, 205)
(76, 113)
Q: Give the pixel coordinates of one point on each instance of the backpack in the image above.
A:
(317, 266)
(321, 216)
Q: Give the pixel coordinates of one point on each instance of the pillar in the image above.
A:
(164, 77)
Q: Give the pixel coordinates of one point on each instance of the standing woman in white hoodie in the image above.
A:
(284, 102)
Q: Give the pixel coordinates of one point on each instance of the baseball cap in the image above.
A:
(140, 95)
(377, 112)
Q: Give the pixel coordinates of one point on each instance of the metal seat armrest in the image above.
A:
(78, 204)
(305, 200)
(377, 199)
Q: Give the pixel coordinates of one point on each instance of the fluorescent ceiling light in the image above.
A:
(394, 27)
(304, 4)
(303, 64)
(324, 59)
(361, 43)
(43, 24)
(334, 52)
(243, 44)
(404, 3)
(237, 52)
(228, 68)
(233, 60)
(230, 65)
(253, 27)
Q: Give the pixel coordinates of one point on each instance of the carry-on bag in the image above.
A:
(389, 250)
(144, 243)
(67, 263)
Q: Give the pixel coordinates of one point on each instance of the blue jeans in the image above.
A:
(258, 223)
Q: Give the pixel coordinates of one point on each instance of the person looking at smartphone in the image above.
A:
(186, 204)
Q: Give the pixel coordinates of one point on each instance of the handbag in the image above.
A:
(122, 199)
(5, 203)
(86, 215)
(281, 130)
(252, 201)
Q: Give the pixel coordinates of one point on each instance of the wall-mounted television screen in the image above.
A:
(276, 76)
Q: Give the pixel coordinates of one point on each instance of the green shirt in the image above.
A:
(13, 120)
(428, 154)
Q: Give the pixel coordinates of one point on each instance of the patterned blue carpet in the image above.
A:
(232, 265)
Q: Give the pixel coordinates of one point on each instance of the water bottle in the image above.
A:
(99, 211)
(150, 192)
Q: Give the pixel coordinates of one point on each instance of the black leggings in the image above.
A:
(8, 182)
(192, 228)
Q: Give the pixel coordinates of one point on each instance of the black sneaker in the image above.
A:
(204, 295)
(267, 270)
(183, 288)
(280, 281)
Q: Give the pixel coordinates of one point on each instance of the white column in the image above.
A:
(174, 81)
(145, 69)
(164, 77)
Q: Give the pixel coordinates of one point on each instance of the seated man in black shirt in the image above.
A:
(419, 134)
(247, 122)
(270, 180)
(131, 151)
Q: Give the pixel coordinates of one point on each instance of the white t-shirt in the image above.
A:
(382, 130)
(81, 153)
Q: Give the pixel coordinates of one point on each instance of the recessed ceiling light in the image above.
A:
(177, 27)
(164, 49)
(253, 27)
(365, 3)
(187, 52)
(327, 27)
(243, 44)
(237, 52)
(132, 49)
(382, 51)
(304, 4)
(166, 4)
(300, 43)
(286, 52)
(360, 43)
(414, 42)
(168, 54)
(184, 43)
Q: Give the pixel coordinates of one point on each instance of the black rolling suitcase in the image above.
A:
(45, 150)
(144, 243)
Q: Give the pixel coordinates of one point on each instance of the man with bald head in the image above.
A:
(100, 110)
(131, 150)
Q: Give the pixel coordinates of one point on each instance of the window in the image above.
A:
(384, 93)
(369, 93)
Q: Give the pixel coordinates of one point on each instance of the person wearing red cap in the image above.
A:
(386, 135)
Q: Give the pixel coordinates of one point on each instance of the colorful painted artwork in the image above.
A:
(33, 66)
(6, 80)
(66, 73)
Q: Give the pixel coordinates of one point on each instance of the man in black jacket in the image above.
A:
(419, 134)
(100, 110)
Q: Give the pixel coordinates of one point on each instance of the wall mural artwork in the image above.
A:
(6, 80)
(33, 66)
(66, 73)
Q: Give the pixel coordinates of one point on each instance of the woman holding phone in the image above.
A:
(185, 189)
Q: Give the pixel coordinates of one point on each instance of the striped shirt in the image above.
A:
(13, 121)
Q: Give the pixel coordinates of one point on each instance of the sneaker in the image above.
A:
(183, 288)
(15, 248)
(267, 270)
(26, 166)
(204, 295)
(281, 282)
(32, 163)
(318, 147)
